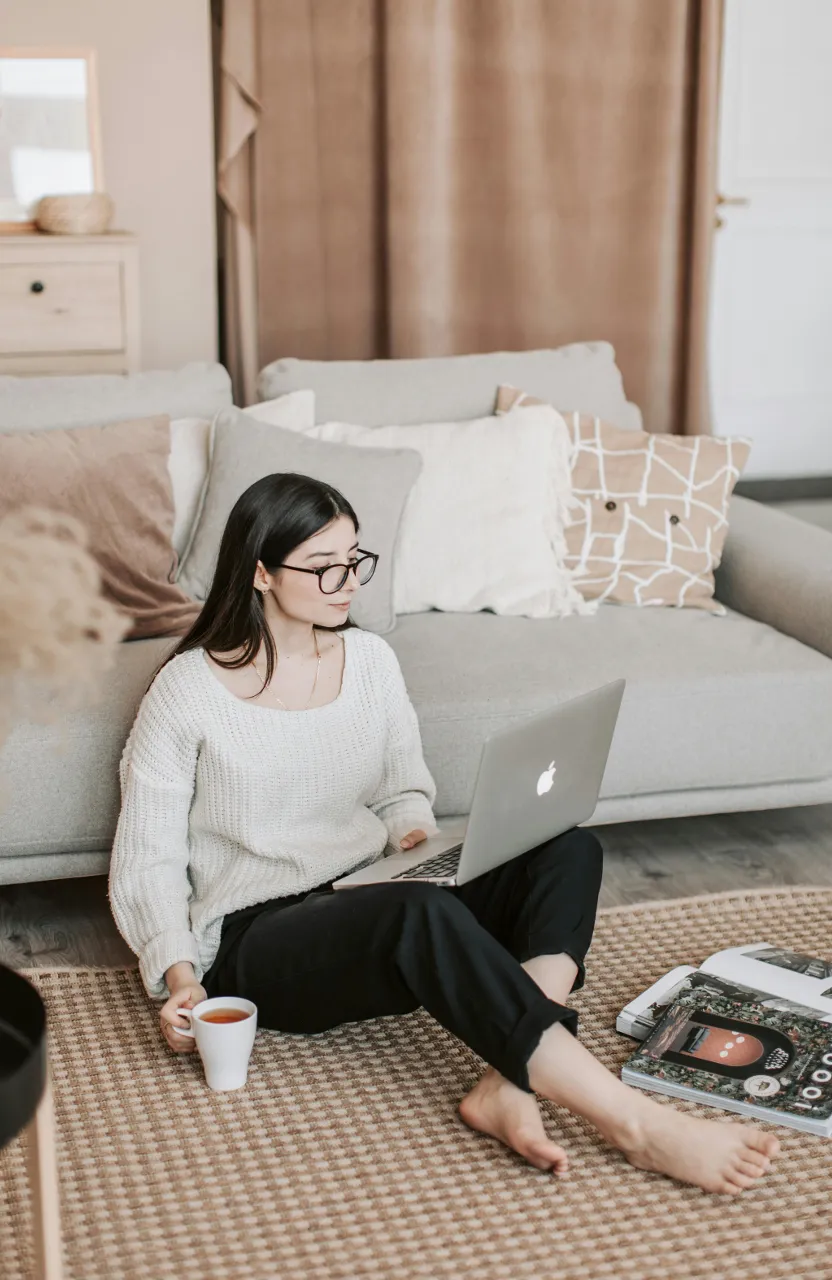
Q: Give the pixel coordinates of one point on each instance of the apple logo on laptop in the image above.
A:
(544, 782)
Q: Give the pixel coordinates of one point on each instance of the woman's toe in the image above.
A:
(739, 1182)
(764, 1143)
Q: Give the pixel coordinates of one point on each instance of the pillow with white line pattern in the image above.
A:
(651, 511)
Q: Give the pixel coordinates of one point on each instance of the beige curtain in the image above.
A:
(445, 176)
(237, 112)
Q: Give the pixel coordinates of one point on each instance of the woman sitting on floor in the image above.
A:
(277, 750)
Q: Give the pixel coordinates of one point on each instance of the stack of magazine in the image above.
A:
(750, 1030)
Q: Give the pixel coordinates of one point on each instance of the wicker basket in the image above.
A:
(81, 215)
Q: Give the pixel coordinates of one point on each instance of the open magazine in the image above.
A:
(769, 977)
(742, 1057)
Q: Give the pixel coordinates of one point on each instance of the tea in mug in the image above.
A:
(225, 1015)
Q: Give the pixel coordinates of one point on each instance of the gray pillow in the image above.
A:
(375, 481)
(377, 393)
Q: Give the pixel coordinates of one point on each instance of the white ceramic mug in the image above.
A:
(224, 1047)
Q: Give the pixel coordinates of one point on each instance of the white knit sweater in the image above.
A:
(227, 803)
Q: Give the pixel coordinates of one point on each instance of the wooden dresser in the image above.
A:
(69, 304)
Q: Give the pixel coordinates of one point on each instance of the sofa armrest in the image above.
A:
(778, 570)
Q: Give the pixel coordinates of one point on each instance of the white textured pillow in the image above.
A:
(187, 467)
(483, 526)
(190, 450)
(295, 410)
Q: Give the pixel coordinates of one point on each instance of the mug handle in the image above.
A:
(185, 1013)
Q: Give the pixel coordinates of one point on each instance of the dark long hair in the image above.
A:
(267, 522)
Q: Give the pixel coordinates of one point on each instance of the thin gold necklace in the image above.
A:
(268, 689)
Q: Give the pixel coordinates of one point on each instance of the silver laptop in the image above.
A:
(535, 781)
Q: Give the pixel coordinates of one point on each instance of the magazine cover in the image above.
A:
(743, 1057)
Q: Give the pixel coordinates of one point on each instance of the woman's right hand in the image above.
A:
(184, 996)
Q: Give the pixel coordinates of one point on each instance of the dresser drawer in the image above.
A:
(55, 307)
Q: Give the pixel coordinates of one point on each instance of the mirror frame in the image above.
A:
(93, 121)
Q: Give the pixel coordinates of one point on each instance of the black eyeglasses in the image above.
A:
(332, 577)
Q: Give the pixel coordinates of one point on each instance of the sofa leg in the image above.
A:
(43, 1180)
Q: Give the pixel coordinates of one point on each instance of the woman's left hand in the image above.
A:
(413, 837)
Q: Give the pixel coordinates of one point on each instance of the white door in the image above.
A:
(771, 322)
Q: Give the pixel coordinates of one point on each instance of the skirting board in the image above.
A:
(786, 489)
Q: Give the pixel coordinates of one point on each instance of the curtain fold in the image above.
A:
(238, 112)
(444, 176)
(695, 411)
(320, 180)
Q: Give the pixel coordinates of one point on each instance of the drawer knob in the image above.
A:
(37, 286)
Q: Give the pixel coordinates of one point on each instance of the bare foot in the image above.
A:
(726, 1158)
(497, 1107)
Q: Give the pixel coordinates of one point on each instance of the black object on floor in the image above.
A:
(22, 1053)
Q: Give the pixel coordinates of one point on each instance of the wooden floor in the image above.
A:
(68, 922)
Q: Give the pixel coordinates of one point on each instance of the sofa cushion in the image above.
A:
(375, 481)
(710, 702)
(190, 454)
(651, 513)
(448, 556)
(59, 782)
(194, 391)
(375, 393)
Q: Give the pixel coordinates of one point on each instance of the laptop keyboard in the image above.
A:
(439, 866)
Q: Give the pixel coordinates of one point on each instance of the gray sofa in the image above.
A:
(719, 714)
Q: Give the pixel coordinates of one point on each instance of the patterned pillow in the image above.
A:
(650, 516)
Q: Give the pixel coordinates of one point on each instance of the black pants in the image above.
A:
(314, 960)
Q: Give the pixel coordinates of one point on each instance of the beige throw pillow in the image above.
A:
(115, 480)
(651, 511)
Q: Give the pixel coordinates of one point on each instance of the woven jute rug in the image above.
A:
(344, 1155)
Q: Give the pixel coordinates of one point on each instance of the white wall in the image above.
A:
(154, 77)
(771, 333)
